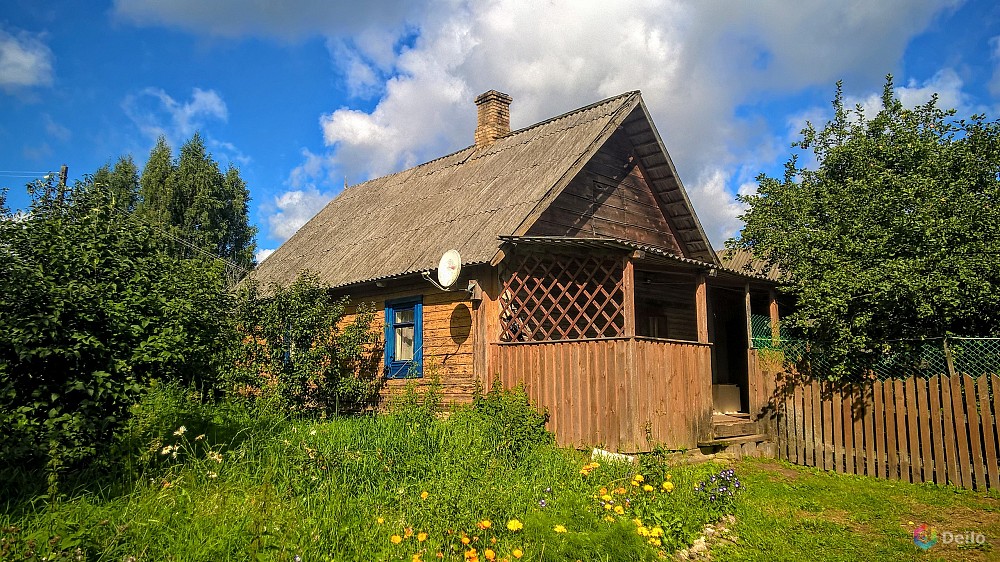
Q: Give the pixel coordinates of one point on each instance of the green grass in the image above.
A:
(251, 483)
(340, 489)
(797, 513)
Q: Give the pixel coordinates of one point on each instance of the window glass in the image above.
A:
(404, 342)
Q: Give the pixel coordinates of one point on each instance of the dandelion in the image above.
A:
(517, 553)
(607, 507)
(668, 486)
(416, 558)
(559, 529)
(603, 491)
(620, 491)
(471, 554)
(647, 488)
(606, 497)
(423, 495)
(489, 554)
(619, 510)
(484, 524)
(407, 532)
(514, 525)
(609, 518)
(396, 539)
(638, 478)
(465, 540)
(668, 477)
(380, 520)
(656, 531)
(180, 431)
(421, 536)
(654, 542)
(642, 531)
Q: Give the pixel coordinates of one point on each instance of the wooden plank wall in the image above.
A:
(447, 337)
(942, 429)
(623, 394)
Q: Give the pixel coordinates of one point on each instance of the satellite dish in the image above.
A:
(449, 268)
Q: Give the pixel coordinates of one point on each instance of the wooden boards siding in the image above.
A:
(624, 394)
(941, 429)
(447, 337)
(609, 198)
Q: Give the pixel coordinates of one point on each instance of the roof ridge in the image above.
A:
(510, 134)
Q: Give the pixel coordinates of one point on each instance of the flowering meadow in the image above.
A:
(199, 482)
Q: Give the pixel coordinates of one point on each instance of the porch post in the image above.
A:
(628, 284)
(746, 299)
(775, 330)
(701, 308)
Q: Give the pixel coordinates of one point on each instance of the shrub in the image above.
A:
(512, 424)
(93, 308)
(293, 342)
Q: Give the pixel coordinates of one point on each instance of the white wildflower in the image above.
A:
(180, 431)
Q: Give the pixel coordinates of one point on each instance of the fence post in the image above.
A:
(948, 358)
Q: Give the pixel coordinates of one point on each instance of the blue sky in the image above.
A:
(303, 94)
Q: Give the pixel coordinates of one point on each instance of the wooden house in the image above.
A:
(586, 276)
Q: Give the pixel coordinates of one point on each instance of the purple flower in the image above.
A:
(541, 502)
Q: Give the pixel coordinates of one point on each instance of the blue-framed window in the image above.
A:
(404, 345)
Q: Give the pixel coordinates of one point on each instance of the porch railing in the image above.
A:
(628, 394)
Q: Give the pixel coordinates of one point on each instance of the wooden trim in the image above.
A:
(628, 285)
(775, 319)
(701, 308)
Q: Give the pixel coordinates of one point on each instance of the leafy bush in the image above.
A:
(292, 342)
(92, 309)
(512, 424)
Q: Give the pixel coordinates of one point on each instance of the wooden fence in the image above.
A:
(626, 394)
(940, 429)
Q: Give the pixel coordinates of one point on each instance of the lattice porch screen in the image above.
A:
(555, 297)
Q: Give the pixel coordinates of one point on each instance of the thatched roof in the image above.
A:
(402, 223)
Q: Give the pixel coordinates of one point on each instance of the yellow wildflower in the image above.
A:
(638, 478)
(484, 524)
(668, 486)
(471, 554)
(514, 525)
(396, 539)
(421, 536)
(379, 520)
(489, 554)
(654, 541)
(637, 521)
(559, 529)
(607, 507)
(416, 558)
(647, 488)
(423, 495)
(465, 540)
(642, 531)
(517, 553)
(606, 497)
(603, 491)
(656, 531)
(608, 518)
(619, 510)
(668, 477)
(620, 491)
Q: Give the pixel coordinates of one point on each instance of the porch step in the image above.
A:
(734, 429)
(727, 441)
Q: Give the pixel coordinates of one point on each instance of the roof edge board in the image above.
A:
(680, 184)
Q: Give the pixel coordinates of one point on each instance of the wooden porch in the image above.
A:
(625, 394)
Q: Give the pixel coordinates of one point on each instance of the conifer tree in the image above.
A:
(122, 182)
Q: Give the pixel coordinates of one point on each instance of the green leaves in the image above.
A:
(893, 234)
(94, 305)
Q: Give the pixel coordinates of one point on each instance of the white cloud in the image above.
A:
(696, 63)
(945, 83)
(292, 209)
(156, 113)
(262, 254)
(25, 61)
(716, 206)
(55, 130)
(288, 19)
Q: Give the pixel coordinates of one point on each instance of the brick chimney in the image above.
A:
(494, 117)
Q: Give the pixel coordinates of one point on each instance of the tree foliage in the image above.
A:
(295, 339)
(93, 308)
(892, 233)
(198, 202)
